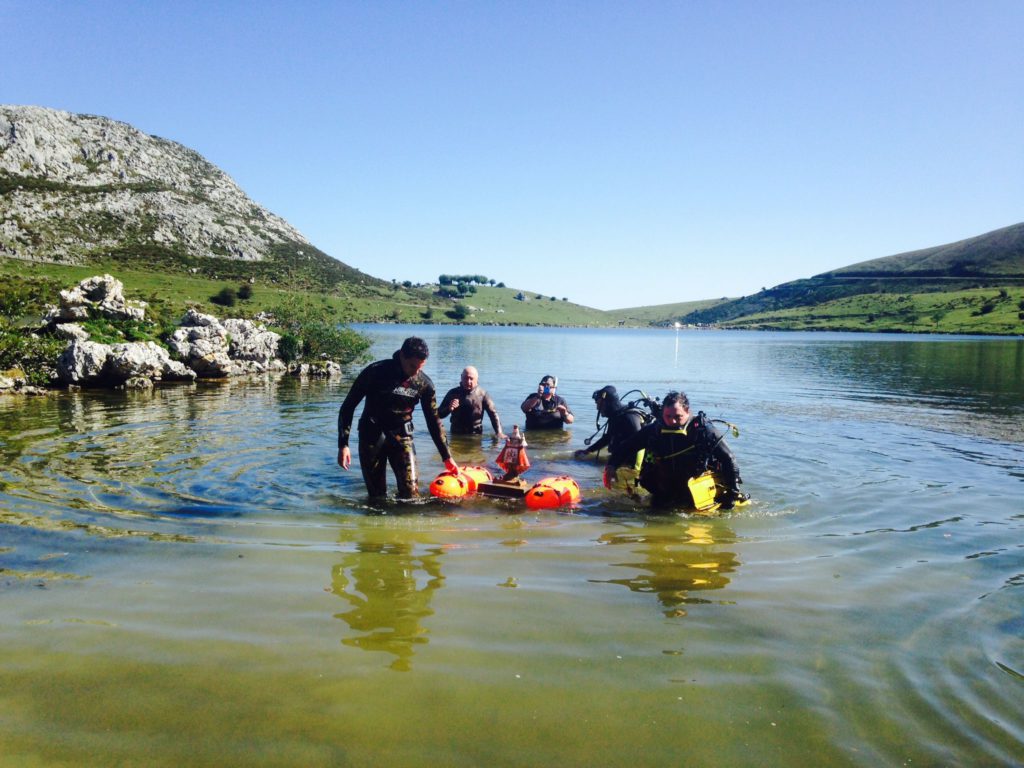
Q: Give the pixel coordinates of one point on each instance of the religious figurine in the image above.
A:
(513, 457)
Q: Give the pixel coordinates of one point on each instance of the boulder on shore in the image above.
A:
(214, 349)
(91, 363)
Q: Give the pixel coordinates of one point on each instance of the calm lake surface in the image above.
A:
(187, 578)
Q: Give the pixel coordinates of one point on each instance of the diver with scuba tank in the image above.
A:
(677, 447)
(622, 421)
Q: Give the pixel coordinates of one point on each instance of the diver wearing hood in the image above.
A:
(622, 422)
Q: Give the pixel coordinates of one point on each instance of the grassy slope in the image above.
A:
(660, 314)
(955, 311)
(171, 292)
(999, 253)
(932, 280)
(976, 310)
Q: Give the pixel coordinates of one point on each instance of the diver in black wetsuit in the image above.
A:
(678, 447)
(467, 404)
(544, 409)
(392, 388)
(622, 421)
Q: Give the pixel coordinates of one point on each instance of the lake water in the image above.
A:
(188, 578)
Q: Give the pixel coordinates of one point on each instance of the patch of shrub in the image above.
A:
(318, 338)
(289, 348)
(225, 298)
(245, 291)
(36, 356)
(20, 297)
(458, 312)
(105, 330)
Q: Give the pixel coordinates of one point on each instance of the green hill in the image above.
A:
(992, 262)
(996, 254)
(660, 314)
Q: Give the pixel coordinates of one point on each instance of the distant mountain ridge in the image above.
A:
(994, 257)
(77, 188)
(999, 253)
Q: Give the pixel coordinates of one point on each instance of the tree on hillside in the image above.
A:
(458, 312)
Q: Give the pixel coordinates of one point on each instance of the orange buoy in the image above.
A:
(553, 492)
(476, 475)
(449, 485)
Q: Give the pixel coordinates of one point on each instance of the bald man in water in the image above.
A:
(467, 403)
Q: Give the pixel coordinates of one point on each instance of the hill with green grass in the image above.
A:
(971, 286)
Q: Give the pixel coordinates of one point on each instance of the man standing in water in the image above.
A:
(467, 404)
(392, 388)
(544, 409)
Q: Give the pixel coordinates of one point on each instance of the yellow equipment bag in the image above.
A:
(702, 488)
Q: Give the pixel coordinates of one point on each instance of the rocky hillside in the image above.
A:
(81, 188)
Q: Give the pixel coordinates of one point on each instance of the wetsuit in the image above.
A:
(468, 418)
(674, 455)
(544, 414)
(622, 425)
(385, 428)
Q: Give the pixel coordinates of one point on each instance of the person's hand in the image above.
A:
(454, 405)
(734, 497)
(451, 466)
(345, 458)
(500, 436)
(580, 454)
(609, 476)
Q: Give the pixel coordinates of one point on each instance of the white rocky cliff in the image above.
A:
(72, 186)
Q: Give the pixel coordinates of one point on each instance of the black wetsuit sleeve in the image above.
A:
(348, 408)
(728, 471)
(492, 412)
(428, 402)
(630, 446)
(602, 441)
(445, 409)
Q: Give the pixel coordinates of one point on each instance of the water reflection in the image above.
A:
(675, 561)
(388, 580)
(977, 376)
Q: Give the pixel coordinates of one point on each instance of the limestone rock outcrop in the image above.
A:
(103, 295)
(214, 349)
(90, 184)
(90, 363)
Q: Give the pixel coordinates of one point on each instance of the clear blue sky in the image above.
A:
(617, 154)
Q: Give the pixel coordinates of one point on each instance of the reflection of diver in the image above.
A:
(389, 586)
(677, 560)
